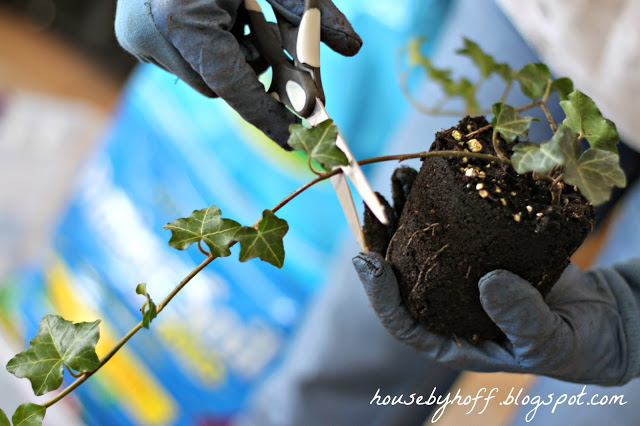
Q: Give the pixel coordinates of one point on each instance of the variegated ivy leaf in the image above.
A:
(206, 225)
(59, 343)
(264, 242)
(584, 118)
(530, 157)
(28, 414)
(508, 123)
(319, 143)
(533, 79)
(595, 173)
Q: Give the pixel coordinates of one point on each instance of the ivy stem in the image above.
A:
(480, 130)
(547, 113)
(322, 176)
(507, 89)
(400, 157)
(83, 378)
(542, 103)
(314, 171)
(203, 251)
(556, 180)
(74, 375)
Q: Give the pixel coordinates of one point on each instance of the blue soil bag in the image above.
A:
(171, 151)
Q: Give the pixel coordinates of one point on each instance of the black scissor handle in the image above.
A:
(295, 84)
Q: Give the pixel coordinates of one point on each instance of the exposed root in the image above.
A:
(468, 273)
(393, 239)
(422, 269)
(456, 339)
(421, 231)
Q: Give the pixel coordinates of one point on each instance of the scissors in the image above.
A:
(297, 84)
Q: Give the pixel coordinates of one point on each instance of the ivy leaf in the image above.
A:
(415, 56)
(482, 60)
(4, 420)
(206, 225)
(58, 343)
(149, 309)
(504, 71)
(264, 242)
(319, 143)
(533, 79)
(530, 157)
(585, 119)
(595, 173)
(563, 86)
(508, 123)
(418, 59)
(485, 62)
(28, 414)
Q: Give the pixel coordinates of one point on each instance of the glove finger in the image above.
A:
(137, 34)
(536, 333)
(201, 31)
(401, 183)
(377, 235)
(380, 284)
(336, 30)
(256, 61)
(249, 50)
(382, 289)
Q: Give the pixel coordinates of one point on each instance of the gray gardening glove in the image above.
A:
(203, 43)
(588, 331)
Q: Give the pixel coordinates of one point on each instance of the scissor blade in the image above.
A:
(346, 201)
(352, 171)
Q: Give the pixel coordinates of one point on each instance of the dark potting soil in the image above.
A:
(465, 217)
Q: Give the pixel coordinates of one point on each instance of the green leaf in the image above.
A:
(4, 420)
(206, 225)
(563, 86)
(29, 414)
(533, 80)
(508, 123)
(141, 289)
(530, 157)
(595, 174)
(482, 60)
(264, 242)
(58, 343)
(585, 119)
(504, 71)
(415, 56)
(149, 309)
(319, 143)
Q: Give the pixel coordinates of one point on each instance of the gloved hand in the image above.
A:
(588, 331)
(203, 43)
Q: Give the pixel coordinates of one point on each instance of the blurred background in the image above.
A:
(84, 156)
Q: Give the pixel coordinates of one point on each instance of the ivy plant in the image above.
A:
(61, 344)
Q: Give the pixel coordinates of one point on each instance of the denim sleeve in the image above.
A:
(624, 281)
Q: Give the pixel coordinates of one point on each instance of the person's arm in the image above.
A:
(203, 43)
(587, 330)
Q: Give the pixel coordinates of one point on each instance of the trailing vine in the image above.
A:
(61, 344)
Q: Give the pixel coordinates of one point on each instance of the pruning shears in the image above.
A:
(297, 84)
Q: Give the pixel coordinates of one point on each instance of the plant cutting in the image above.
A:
(476, 157)
(504, 203)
